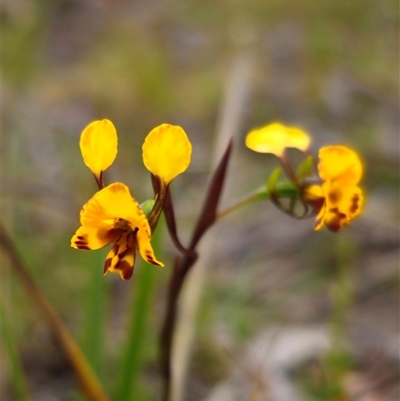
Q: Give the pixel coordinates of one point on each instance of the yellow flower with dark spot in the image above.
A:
(98, 145)
(166, 152)
(339, 199)
(112, 215)
(275, 138)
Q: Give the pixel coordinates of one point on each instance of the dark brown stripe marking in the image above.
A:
(107, 265)
(125, 268)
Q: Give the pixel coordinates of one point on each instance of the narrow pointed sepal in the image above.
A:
(211, 202)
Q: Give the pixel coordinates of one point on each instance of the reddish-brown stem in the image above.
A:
(160, 189)
(183, 264)
(99, 181)
(287, 168)
(181, 268)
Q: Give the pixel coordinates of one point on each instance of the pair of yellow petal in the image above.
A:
(112, 215)
(166, 149)
(338, 200)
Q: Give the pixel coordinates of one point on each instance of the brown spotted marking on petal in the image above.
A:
(334, 196)
(82, 244)
(338, 221)
(125, 264)
(107, 265)
(125, 269)
(114, 234)
(334, 226)
(131, 240)
(354, 203)
(128, 251)
(109, 259)
(121, 258)
(335, 210)
(149, 256)
(150, 259)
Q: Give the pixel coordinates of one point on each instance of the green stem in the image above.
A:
(341, 293)
(286, 190)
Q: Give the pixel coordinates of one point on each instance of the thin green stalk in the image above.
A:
(282, 190)
(133, 351)
(96, 317)
(17, 375)
(342, 293)
(339, 361)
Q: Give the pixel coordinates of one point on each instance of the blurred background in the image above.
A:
(282, 313)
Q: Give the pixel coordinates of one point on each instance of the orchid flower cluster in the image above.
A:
(113, 216)
(333, 193)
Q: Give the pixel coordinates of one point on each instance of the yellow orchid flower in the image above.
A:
(275, 138)
(339, 199)
(166, 152)
(112, 215)
(98, 145)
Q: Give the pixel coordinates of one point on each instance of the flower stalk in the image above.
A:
(285, 190)
(183, 264)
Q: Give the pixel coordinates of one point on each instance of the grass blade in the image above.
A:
(17, 376)
(95, 316)
(91, 385)
(133, 351)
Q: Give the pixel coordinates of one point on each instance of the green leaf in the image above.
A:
(273, 180)
(305, 168)
(287, 190)
(147, 206)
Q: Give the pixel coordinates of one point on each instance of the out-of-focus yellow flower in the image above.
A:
(98, 145)
(112, 215)
(166, 152)
(339, 199)
(275, 138)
